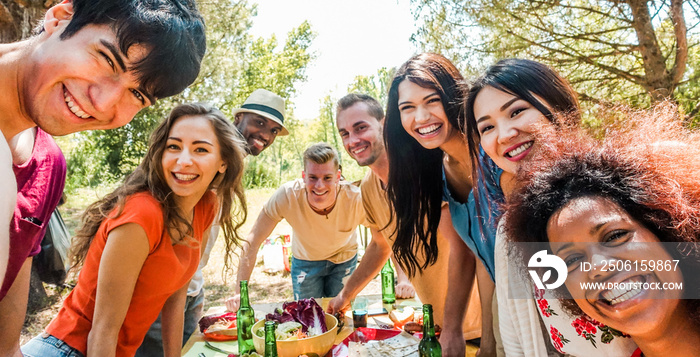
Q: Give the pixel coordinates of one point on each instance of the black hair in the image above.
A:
(527, 80)
(415, 182)
(172, 31)
(649, 169)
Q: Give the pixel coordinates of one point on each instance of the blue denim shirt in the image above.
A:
(476, 224)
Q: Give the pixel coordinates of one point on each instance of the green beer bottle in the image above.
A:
(388, 294)
(245, 318)
(270, 339)
(429, 345)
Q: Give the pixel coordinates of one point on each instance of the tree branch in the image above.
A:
(657, 80)
(680, 31)
(587, 9)
(579, 37)
(628, 76)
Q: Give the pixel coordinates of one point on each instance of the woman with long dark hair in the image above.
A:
(502, 110)
(628, 202)
(428, 164)
(140, 245)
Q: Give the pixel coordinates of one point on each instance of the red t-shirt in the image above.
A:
(167, 268)
(40, 183)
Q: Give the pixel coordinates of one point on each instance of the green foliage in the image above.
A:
(323, 128)
(375, 85)
(594, 44)
(234, 66)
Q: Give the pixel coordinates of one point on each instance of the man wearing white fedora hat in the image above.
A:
(260, 119)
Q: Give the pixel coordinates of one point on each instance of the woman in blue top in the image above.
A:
(429, 164)
(503, 108)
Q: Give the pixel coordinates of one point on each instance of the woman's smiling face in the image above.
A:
(598, 231)
(423, 115)
(505, 124)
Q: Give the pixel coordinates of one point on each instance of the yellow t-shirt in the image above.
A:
(431, 284)
(316, 237)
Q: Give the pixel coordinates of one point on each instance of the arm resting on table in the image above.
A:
(404, 288)
(376, 254)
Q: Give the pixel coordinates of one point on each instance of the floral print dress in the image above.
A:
(526, 324)
(581, 335)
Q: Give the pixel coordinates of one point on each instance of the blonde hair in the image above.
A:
(321, 153)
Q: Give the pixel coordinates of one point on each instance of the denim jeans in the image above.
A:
(46, 345)
(321, 278)
(152, 345)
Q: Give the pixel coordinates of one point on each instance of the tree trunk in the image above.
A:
(660, 81)
(19, 17)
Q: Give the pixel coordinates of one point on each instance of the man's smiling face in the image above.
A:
(321, 182)
(258, 131)
(83, 82)
(361, 134)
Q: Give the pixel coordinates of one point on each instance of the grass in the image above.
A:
(264, 287)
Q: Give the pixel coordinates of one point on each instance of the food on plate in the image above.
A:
(219, 327)
(217, 322)
(400, 318)
(223, 327)
(413, 327)
(297, 320)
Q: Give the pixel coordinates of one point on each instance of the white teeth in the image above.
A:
(627, 289)
(259, 142)
(519, 149)
(429, 129)
(183, 177)
(319, 194)
(73, 107)
(359, 150)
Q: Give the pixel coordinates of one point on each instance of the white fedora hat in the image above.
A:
(266, 104)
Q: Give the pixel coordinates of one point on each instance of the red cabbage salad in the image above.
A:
(297, 319)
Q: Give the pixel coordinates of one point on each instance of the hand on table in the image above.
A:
(452, 343)
(404, 290)
(338, 304)
(233, 303)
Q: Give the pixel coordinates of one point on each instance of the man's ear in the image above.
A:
(338, 175)
(237, 118)
(58, 16)
(303, 174)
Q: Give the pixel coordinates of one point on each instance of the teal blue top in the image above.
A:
(476, 224)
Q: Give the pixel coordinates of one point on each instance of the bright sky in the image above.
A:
(354, 37)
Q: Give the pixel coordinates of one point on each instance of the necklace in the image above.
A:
(324, 211)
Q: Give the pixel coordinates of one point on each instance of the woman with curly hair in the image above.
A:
(140, 245)
(633, 198)
(502, 109)
(428, 165)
